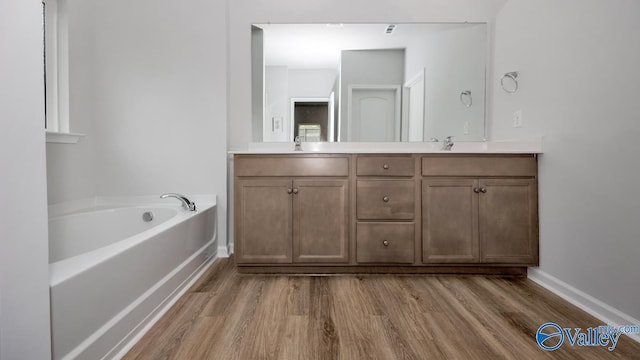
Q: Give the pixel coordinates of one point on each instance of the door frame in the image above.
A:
(406, 104)
(397, 119)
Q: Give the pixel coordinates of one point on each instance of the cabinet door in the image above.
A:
(263, 221)
(509, 221)
(449, 221)
(321, 221)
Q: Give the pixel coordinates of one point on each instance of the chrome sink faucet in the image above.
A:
(186, 203)
(448, 143)
(298, 143)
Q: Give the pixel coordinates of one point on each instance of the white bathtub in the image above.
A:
(112, 273)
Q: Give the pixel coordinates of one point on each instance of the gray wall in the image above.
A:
(579, 86)
(24, 265)
(454, 61)
(72, 169)
(149, 90)
(367, 67)
(277, 104)
(281, 85)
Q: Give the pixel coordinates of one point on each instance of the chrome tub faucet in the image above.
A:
(186, 203)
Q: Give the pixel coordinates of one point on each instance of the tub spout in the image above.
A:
(186, 204)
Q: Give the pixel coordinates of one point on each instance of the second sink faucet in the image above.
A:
(448, 143)
(186, 203)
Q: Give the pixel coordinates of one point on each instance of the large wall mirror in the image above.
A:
(369, 82)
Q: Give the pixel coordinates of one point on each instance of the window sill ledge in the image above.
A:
(63, 138)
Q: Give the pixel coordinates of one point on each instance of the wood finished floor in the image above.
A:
(227, 315)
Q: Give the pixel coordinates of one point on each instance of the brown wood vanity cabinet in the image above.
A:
(479, 209)
(385, 209)
(291, 209)
(448, 213)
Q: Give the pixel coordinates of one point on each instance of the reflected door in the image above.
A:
(374, 114)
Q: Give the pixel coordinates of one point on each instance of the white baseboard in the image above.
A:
(223, 251)
(604, 312)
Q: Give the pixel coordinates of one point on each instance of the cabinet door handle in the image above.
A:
(295, 191)
(385, 242)
(289, 191)
(385, 166)
(476, 190)
(385, 199)
(483, 190)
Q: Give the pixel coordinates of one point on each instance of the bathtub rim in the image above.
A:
(69, 207)
(66, 269)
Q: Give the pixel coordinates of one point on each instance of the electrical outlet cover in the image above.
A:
(517, 118)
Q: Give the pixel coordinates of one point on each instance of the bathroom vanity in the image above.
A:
(417, 212)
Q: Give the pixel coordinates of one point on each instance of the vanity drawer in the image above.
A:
(385, 199)
(385, 243)
(384, 166)
(291, 165)
(479, 165)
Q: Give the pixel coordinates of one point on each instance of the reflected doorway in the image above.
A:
(311, 119)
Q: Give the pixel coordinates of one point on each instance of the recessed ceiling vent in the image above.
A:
(389, 29)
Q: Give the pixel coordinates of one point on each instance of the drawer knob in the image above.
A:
(385, 199)
(483, 190)
(385, 242)
(295, 191)
(289, 191)
(385, 166)
(476, 190)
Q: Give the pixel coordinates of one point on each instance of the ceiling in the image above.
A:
(318, 46)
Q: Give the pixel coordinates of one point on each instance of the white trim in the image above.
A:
(57, 67)
(332, 109)
(397, 89)
(406, 90)
(223, 251)
(160, 311)
(63, 137)
(606, 313)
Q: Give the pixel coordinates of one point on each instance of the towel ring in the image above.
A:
(513, 75)
(466, 94)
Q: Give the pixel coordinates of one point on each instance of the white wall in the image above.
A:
(579, 87)
(153, 104)
(24, 265)
(242, 13)
(311, 82)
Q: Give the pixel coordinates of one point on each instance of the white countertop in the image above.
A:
(524, 146)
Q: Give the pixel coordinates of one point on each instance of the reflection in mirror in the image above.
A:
(377, 82)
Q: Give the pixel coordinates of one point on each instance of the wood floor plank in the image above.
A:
(165, 337)
(227, 315)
